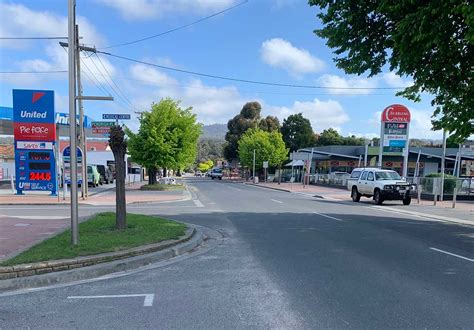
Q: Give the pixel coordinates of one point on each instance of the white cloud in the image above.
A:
(148, 9)
(341, 85)
(21, 21)
(282, 54)
(394, 80)
(210, 104)
(321, 114)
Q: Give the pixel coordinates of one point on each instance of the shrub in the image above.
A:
(448, 187)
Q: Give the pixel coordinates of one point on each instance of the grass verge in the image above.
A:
(98, 235)
(162, 187)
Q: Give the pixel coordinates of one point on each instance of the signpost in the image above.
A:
(102, 127)
(116, 116)
(394, 134)
(67, 165)
(265, 166)
(35, 134)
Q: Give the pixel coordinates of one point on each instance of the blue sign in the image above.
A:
(116, 116)
(67, 165)
(397, 143)
(31, 106)
(35, 169)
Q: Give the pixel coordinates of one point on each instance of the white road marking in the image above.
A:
(148, 302)
(198, 203)
(452, 254)
(276, 201)
(233, 188)
(22, 224)
(328, 216)
(38, 217)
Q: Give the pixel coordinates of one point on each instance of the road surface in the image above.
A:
(275, 260)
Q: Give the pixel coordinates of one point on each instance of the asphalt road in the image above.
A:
(276, 260)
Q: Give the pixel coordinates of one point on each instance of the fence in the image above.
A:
(451, 186)
(330, 179)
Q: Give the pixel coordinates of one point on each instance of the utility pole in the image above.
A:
(72, 118)
(82, 137)
(253, 166)
(443, 160)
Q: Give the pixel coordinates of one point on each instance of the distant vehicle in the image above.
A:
(198, 173)
(216, 173)
(208, 173)
(93, 175)
(106, 175)
(381, 185)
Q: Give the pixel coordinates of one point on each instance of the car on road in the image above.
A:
(381, 185)
(106, 175)
(93, 176)
(355, 174)
(198, 174)
(216, 173)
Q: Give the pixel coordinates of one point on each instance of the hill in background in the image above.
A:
(214, 131)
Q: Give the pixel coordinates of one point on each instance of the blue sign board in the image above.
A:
(67, 165)
(116, 116)
(34, 129)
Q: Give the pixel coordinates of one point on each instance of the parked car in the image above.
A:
(106, 175)
(381, 185)
(93, 175)
(198, 174)
(216, 173)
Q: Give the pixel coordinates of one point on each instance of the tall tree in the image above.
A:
(249, 117)
(118, 144)
(167, 138)
(330, 137)
(210, 148)
(431, 41)
(269, 124)
(297, 132)
(268, 146)
(353, 140)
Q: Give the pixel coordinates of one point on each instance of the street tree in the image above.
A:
(431, 41)
(118, 145)
(297, 132)
(206, 166)
(269, 124)
(268, 146)
(248, 117)
(167, 138)
(330, 137)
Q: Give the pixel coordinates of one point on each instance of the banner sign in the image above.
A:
(116, 116)
(67, 165)
(34, 133)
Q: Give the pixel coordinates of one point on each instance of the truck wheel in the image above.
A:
(355, 195)
(407, 201)
(212, 177)
(378, 198)
(220, 178)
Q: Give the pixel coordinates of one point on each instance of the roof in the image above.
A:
(7, 151)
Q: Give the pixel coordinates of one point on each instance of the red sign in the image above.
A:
(396, 113)
(34, 131)
(101, 130)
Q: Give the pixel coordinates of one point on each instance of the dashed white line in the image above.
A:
(452, 254)
(198, 203)
(148, 302)
(327, 216)
(234, 188)
(276, 201)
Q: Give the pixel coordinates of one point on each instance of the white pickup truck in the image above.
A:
(380, 185)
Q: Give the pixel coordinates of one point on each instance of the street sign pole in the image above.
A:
(72, 118)
(81, 115)
(253, 166)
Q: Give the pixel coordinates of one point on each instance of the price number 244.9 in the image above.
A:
(40, 176)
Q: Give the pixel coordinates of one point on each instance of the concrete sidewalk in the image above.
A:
(464, 210)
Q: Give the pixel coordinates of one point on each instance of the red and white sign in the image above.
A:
(396, 113)
(34, 131)
(101, 130)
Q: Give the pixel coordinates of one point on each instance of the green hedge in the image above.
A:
(448, 187)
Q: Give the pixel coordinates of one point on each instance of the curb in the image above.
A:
(80, 269)
(266, 187)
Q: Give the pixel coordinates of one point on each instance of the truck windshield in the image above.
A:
(387, 176)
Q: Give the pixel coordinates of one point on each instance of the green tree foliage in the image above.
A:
(297, 132)
(353, 140)
(210, 148)
(118, 144)
(167, 137)
(269, 147)
(249, 117)
(330, 137)
(206, 166)
(431, 41)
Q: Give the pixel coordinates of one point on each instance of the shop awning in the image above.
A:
(295, 163)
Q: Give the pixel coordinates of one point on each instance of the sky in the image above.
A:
(260, 40)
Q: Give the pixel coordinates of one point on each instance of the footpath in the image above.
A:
(463, 213)
(21, 231)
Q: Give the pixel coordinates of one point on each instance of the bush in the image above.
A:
(448, 187)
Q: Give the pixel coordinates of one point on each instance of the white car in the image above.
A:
(381, 185)
(167, 180)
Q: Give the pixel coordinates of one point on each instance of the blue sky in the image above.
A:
(264, 40)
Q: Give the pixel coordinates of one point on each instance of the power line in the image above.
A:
(33, 38)
(20, 72)
(179, 27)
(248, 81)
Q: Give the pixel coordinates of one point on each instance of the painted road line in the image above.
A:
(328, 216)
(276, 201)
(452, 254)
(233, 188)
(148, 302)
(198, 203)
